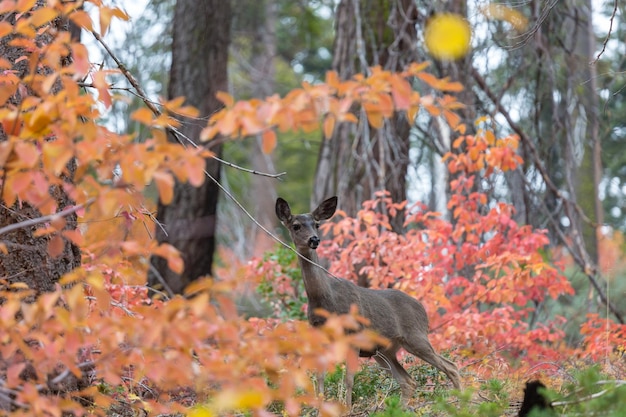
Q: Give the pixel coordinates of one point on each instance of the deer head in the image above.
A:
(303, 227)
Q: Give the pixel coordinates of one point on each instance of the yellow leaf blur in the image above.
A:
(447, 36)
(502, 12)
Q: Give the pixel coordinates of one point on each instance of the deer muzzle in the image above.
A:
(314, 242)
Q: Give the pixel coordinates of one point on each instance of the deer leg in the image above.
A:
(389, 362)
(421, 347)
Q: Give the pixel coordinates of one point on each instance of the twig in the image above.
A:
(162, 281)
(608, 35)
(128, 75)
(43, 219)
(140, 93)
(270, 234)
(181, 136)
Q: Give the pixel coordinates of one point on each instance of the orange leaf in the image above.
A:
(106, 13)
(225, 98)
(27, 154)
(82, 19)
(5, 29)
(171, 254)
(55, 156)
(143, 115)
(42, 16)
(195, 170)
(56, 246)
(99, 81)
(268, 141)
(401, 92)
(80, 59)
(165, 184)
(25, 5)
(329, 126)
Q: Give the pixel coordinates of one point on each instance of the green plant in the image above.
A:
(281, 285)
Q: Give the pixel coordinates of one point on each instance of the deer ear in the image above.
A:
(326, 209)
(283, 212)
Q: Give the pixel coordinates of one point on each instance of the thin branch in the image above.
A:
(270, 234)
(128, 75)
(43, 219)
(140, 93)
(608, 35)
(251, 171)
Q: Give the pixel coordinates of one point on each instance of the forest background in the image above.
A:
(489, 186)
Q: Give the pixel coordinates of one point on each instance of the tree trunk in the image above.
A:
(28, 260)
(201, 36)
(264, 188)
(358, 161)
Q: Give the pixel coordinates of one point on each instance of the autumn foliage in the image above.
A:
(100, 343)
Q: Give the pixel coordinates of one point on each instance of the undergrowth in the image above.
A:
(586, 392)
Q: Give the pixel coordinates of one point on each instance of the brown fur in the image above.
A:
(391, 313)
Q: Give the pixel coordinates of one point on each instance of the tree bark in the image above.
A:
(358, 161)
(201, 36)
(28, 260)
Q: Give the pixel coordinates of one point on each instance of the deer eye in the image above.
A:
(296, 227)
(317, 225)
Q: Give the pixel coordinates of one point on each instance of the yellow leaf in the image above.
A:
(233, 400)
(165, 184)
(201, 411)
(42, 16)
(268, 141)
(55, 156)
(447, 36)
(502, 12)
(40, 120)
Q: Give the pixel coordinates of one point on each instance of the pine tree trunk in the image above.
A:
(201, 36)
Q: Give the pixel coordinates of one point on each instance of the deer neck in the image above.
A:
(316, 282)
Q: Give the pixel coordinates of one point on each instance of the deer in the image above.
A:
(393, 314)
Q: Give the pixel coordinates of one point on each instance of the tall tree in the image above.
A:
(357, 161)
(28, 259)
(201, 37)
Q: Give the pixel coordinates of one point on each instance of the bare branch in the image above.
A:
(608, 35)
(140, 93)
(43, 219)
